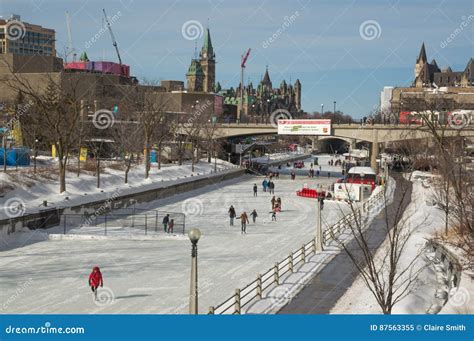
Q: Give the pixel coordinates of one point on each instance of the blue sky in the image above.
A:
(321, 42)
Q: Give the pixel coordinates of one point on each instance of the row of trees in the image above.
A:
(63, 114)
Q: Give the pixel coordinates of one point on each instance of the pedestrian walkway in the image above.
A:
(321, 294)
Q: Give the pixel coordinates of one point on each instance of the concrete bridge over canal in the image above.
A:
(351, 133)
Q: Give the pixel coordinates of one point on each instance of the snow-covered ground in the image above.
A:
(425, 220)
(152, 276)
(31, 190)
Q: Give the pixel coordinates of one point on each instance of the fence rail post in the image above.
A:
(259, 286)
(291, 262)
(276, 275)
(237, 301)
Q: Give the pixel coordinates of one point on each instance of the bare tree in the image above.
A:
(149, 107)
(58, 113)
(388, 279)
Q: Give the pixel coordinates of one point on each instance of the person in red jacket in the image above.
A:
(95, 279)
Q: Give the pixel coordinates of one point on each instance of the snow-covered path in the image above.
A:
(153, 276)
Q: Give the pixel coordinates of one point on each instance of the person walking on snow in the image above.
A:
(165, 222)
(254, 216)
(232, 215)
(255, 188)
(244, 220)
(95, 280)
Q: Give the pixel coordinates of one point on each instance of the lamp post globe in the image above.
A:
(194, 235)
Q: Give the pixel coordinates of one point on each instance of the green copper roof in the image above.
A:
(207, 49)
(195, 69)
(84, 57)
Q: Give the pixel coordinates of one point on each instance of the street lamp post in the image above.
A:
(318, 240)
(322, 108)
(194, 236)
(334, 107)
(268, 111)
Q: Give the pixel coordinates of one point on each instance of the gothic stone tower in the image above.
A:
(420, 61)
(297, 89)
(208, 63)
(195, 76)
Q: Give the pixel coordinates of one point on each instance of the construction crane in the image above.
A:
(70, 48)
(114, 42)
(242, 67)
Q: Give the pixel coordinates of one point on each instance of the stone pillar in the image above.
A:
(353, 144)
(374, 152)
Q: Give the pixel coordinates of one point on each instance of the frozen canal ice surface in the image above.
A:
(152, 276)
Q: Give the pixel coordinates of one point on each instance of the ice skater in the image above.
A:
(254, 216)
(170, 226)
(274, 215)
(255, 189)
(232, 215)
(273, 201)
(165, 222)
(244, 220)
(95, 280)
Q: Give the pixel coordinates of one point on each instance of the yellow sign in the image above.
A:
(83, 154)
(53, 150)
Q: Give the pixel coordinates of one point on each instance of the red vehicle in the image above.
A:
(298, 164)
(311, 193)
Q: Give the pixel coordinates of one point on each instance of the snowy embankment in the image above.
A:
(152, 276)
(425, 221)
(293, 283)
(31, 190)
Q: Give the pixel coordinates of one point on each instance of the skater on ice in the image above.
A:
(95, 280)
(265, 185)
(273, 201)
(165, 222)
(170, 226)
(244, 220)
(232, 215)
(255, 188)
(254, 215)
